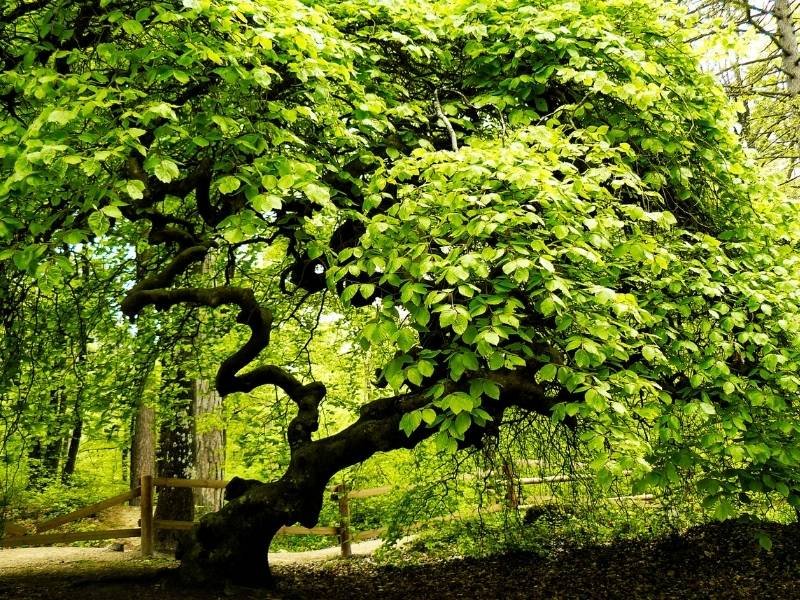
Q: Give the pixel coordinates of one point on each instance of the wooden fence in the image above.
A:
(16, 535)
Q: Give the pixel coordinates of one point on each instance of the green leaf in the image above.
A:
(98, 223)
(410, 421)
(135, 189)
(547, 372)
(425, 367)
(317, 193)
(132, 27)
(650, 353)
(228, 184)
(445, 443)
(406, 339)
(74, 236)
(547, 306)
(595, 400)
(548, 266)
(112, 211)
(491, 389)
(143, 14)
(414, 376)
(461, 423)
(265, 203)
(166, 170)
(428, 415)
(61, 117)
(457, 402)
(708, 408)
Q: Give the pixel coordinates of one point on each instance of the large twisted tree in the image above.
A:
(542, 203)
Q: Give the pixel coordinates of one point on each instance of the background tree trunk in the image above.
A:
(45, 454)
(55, 435)
(125, 463)
(143, 429)
(143, 443)
(783, 11)
(209, 430)
(74, 444)
(209, 443)
(174, 459)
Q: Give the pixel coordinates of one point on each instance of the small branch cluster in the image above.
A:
(157, 290)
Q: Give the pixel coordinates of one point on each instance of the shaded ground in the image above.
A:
(714, 561)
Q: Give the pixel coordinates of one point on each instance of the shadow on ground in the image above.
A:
(714, 561)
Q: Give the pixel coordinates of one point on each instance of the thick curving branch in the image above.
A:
(148, 287)
(232, 544)
(152, 292)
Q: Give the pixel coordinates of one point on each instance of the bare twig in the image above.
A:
(445, 120)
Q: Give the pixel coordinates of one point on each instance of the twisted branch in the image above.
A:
(152, 292)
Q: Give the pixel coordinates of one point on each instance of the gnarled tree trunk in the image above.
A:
(232, 544)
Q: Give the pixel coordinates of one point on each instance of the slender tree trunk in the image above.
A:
(74, 445)
(143, 429)
(143, 446)
(209, 439)
(125, 463)
(209, 430)
(783, 11)
(52, 452)
(175, 450)
(35, 475)
(77, 407)
(44, 455)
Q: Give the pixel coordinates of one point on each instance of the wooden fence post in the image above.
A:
(512, 491)
(344, 519)
(146, 508)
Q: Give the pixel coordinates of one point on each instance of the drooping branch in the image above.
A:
(378, 427)
(232, 544)
(136, 299)
(152, 292)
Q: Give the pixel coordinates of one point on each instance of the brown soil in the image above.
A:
(713, 561)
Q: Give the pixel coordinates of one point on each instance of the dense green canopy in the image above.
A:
(531, 197)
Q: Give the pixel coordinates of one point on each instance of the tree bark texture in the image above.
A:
(209, 433)
(209, 443)
(143, 446)
(784, 11)
(74, 445)
(174, 459)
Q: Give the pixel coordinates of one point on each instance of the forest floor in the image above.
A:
(713, 561)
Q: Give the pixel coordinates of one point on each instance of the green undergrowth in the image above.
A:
(550, 529)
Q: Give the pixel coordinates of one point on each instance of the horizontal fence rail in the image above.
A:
(16, 535)
(189, 483)
(46, 539)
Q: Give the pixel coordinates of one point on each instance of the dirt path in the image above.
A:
(14, 560)
(21, 559)
(359, 549)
